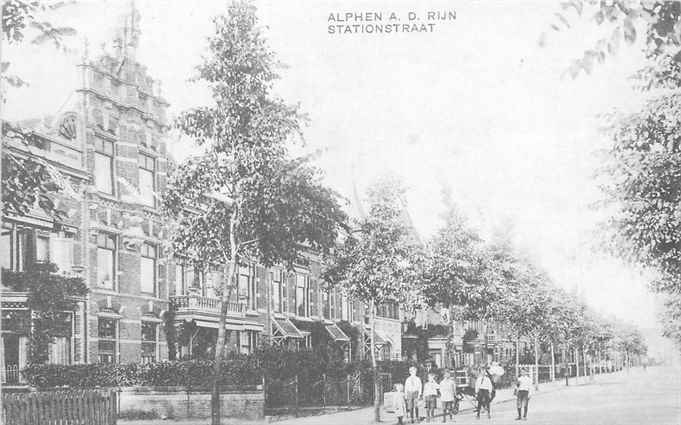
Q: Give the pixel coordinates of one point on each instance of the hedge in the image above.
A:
(192, 374)
(273, 364)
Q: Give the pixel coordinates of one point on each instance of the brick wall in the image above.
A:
(177, 403)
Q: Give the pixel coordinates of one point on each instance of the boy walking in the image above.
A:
(483, 390)
(447, 394)
(412, 391)
(430, 394)
(523, 394)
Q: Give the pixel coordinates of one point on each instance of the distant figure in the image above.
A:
(430, 389)
(483, 391)
(399, 403)
(412, 393)
(447, 395)
(523, 387)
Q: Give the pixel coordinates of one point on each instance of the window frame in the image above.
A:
(146, 254)
(302, 291)
(111, 245)
(105, 149)
(155, 342)
(275, 288)
(113, 339)
(147, 163)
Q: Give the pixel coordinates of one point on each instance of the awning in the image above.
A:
(379, 340)
(337, 333)
(287, 328)
(230, 326)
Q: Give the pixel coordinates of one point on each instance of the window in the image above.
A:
(148, 269)
(332, 304)
(61, 250)
(149, 342)
(284, 294)
(345, 308)
(247, 341)
(17, 246)
(275, 291)
(104, 166)
(42, 249)
(106, 265)
(245, 286)
(6, 247)
(186, 277)
(106, 331)
(146, 180)
(302, 295)
(113, 123)
(325, 304)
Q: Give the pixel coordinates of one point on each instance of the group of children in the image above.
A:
(407, 396)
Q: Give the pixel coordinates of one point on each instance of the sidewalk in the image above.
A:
(365, 415)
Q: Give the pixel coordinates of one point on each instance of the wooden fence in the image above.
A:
(64, 407)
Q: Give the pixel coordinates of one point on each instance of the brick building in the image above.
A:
(109, 144)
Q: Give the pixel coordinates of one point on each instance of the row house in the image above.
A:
(108, 151)
(461, 344)
(278, 304)
(108, 148)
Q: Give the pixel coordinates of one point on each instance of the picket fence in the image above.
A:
(72, 407)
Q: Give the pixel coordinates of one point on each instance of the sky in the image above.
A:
(476, 103)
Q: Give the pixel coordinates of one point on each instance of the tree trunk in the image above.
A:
(2, 138)
(576, 354)
(374, 367)
(553, 364)
(517, 358)
(536, 361)
(227, 286)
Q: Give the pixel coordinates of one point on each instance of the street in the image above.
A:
(652, 397)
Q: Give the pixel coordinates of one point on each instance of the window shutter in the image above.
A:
(261, 286)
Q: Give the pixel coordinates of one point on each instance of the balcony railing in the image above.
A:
(197, 303)
(10, 375)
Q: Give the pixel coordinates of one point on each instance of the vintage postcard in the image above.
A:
(357, 211)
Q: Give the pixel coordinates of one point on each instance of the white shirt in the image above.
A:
(430, 388)
(524, 383)
(483, 383)
(413, 385)
(447, 389)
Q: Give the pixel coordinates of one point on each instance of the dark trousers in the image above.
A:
(483, 401)
(521, 402)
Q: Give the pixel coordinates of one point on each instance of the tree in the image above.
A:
(27, 181)
(378, 261)
(564, 322)
(642, 169)
(458, 272)
(660, 21)
(245, 197)
(457, 269)
(50, 296)
(524, 305)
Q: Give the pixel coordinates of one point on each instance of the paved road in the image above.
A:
(637, 398)
(652, 397)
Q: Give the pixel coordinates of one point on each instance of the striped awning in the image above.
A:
(287, 328)
(337, 333)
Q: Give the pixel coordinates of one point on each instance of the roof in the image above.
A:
(337, 333)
